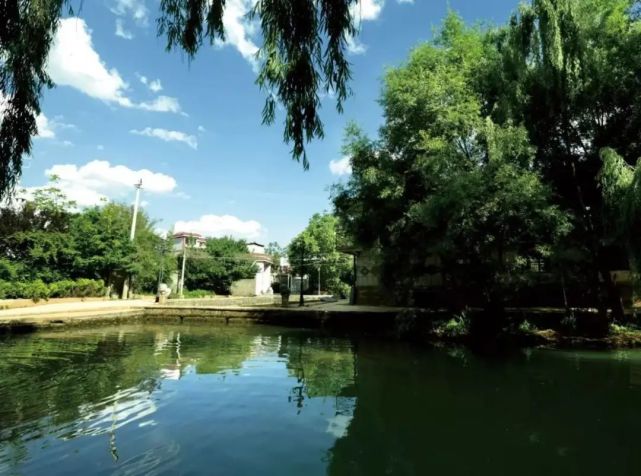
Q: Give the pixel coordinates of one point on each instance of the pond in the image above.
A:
(197, 399)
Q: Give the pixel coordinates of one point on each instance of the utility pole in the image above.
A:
(319, 268)
(301, 300)
(133, 219)
(132, 234)
(182, 271)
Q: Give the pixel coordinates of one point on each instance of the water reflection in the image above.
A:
(234, 400)
(108, 385)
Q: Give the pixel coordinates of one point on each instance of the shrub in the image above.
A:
(36, 290)
(339, 289)
(198, 293)
(526, 327)
(88, 288)
(61, 289)
(456, 327)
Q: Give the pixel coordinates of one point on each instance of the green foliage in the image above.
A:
(37, 289)
(27, 28)
(458, 326)
(275, 252)
(303, 53)
(446, 183)
(526, 327)
(568, 74)
(223, 261)
(316, 248)
(198, 294)
(42, 238)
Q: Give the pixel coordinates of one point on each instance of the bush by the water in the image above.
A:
(458, 326)
(37, 290)
(196, 294)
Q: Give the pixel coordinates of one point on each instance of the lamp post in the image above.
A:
(135, 216)
(182, 270)
(301, 300)
(132, 234)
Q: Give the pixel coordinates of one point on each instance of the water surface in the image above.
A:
(196, 399)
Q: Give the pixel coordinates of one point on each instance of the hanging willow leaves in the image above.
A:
(303, 53)
(304, 44)
(26, 32)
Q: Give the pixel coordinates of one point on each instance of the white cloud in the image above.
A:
(362, 11)
(67, 143)
(167, 136)
(45, 128)
(201, 129)
(409, 2)
(120, 30)
(100, 147)
(354, 46)
(221, 225)
(367, 10)
(136, 9)
(340, 167)
(74, 62)
(98, 180)
(239, 30)
(161, 104)
(154, 85)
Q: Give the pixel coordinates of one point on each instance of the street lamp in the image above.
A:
(135, 216)
(132, 234)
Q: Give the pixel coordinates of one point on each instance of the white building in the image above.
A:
(261, 283)
(191, 240)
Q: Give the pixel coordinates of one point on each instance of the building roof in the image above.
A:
(182, 234)
(255, 243)
(261, 257)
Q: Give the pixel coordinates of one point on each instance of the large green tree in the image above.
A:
(44, 237)
(570, 74)
(303, 53)
(104, 249)
(444, 186)
(34, 237)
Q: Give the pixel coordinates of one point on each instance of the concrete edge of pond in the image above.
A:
(366, 319)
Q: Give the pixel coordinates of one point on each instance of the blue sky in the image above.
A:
(125, 109)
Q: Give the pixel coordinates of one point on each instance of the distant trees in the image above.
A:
(315, 252)
(43, 239)
(223, 261)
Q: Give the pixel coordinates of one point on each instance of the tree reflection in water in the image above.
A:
(88, 383)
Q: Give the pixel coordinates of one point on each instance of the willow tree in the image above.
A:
(445, 190)
(570, 74)
(303, 53)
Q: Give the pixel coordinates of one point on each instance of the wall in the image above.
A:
(244, 287)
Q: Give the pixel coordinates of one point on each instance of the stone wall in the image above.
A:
(244, 287)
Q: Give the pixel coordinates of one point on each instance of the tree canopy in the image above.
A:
(223, 261)
(303, 54)
(503, 146)
(45, 239)
(315, 252)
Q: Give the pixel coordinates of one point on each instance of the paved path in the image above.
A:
(72, 312)
(73, 308)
